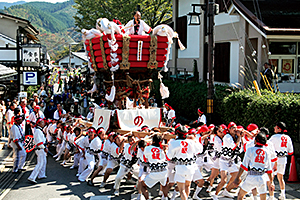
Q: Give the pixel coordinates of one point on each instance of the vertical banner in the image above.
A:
(135, 119)
(102, 119)
(287, 66)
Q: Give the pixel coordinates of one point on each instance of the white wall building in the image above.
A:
(245, 38)
(78, 59)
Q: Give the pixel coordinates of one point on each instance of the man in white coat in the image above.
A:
(17, 137)
(93, 149)
(41, 151)
(137, 26)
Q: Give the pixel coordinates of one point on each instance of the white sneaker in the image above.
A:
(117, 193)
(225, 193)
(102, 185)
(55, 156)
(195, 196)
(63, 163)
(214, 197)
(164, 198)
(31, 180)
(209, 189)
(77, 174)
(57, 159)
(271, 198)
(281, 196)
(139, 197)
(174, 195)
(160, 193)
(72, 167)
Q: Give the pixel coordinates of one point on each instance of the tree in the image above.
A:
(154, 12)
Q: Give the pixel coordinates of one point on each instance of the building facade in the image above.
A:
(247, 35)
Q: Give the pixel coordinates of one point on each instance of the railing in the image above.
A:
(180, 74)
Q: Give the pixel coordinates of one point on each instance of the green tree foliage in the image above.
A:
(154, 12)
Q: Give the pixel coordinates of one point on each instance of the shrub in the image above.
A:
(245, 107)
(185, 98)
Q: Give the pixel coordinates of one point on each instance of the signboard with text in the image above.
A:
(29, 78)
(31, 56)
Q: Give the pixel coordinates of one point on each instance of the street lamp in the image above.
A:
(195, 16)
(211, 9)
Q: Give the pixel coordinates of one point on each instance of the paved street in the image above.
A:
(62, 184)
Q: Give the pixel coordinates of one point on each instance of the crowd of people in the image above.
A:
(174, 158)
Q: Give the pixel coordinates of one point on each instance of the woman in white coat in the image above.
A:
(41, 151)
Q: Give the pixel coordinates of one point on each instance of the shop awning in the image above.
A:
(6, 72)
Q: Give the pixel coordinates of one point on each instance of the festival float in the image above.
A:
(127, 63)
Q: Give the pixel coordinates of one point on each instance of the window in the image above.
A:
(283, 48)
(181, 29)
(222, 62)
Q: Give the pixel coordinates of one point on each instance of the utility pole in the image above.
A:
(19, 62)
(69, 57)
(211, 46)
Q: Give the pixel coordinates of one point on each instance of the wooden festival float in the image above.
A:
(127, 62)
(138, 57)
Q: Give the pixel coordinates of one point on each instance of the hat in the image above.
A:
(102, 105)
(39, 120)
(169, 106)
(111, 134)
(211, 126)
(92, 129)
(252, 127)
(281, 126)
(35, 94)
(203, 129)
(51, 101)
(200, 111)
(223, 126)
(37, 107)
(231, 124)
(144, 128)
(181, 130)
(100, 129)
(240, 128)
(192, 131)
(76, 101)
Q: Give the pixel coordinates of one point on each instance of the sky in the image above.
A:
(51, 1)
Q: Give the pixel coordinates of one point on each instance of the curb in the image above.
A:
(17, 179)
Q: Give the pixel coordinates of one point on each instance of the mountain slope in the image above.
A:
(7, 5)
(55, 22)
(47, 17)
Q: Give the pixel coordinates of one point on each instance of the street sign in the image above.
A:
(29, 78)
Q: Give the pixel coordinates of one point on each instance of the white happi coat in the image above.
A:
(184, 152)
(283, 146)
(143, 29)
